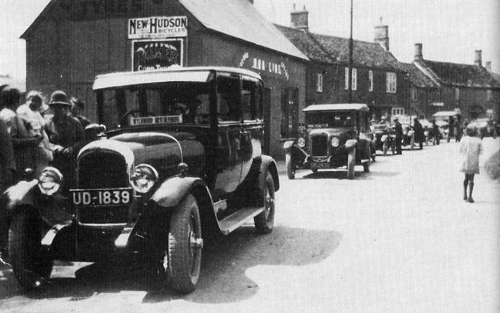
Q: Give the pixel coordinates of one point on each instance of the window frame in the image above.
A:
(354, 80)
(391, 82)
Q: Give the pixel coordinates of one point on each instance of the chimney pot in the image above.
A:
(382, 35)
(300, 19)
(418, 52)
(477, 60)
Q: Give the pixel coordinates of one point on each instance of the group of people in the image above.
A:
(30, 141)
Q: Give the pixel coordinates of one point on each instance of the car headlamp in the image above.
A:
(50, 180)
(143, 178)
(301, 142)
(335, 142)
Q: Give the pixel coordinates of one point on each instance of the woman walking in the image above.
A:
(470, 148)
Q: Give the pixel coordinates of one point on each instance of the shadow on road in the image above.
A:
(223, 278)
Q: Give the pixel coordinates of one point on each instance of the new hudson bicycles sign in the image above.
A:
(157, 27)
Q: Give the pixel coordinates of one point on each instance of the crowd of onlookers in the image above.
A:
(34, 135)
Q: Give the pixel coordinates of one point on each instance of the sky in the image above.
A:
(449, 30)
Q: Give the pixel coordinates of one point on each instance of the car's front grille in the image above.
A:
(102, 170)
(319, 145)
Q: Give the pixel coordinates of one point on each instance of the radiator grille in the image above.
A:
(102, 169)
(319, 145)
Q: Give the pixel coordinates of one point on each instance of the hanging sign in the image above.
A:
(157, 27)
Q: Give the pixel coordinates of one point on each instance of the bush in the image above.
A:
(492, 166)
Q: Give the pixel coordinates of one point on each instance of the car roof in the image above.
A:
(173, 73)
(337, 107)
(446, 113)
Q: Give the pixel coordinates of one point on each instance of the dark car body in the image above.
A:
(335, 136)
(163, 177)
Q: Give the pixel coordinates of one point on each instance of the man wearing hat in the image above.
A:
(399, 135)
(64, 132)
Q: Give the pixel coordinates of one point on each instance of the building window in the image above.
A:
(319, 82)
(354, 79)
(391, 82)
(370, 80)
(489, 95)
(397, 111)
(457, 94)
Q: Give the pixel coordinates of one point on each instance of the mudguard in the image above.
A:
(174, 189)
(269, 165)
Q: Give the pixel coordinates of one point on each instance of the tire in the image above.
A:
(412, 143)
(351, 160)
(290, 168)
(385, 147)
(264, 222)
(32, 266)
(184, 246)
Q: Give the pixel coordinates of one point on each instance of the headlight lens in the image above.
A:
(50, 180)
(143, 178)
(335, 142)
(301, 142)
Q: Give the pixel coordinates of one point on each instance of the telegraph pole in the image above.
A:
(351, 48)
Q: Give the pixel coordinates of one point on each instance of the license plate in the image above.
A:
(322, 165)
(114, 196)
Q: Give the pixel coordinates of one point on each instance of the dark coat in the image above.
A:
(419, 131)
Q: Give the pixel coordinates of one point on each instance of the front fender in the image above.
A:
(174, 189)
(269, 165)
(21, 194)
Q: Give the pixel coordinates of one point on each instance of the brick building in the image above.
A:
(377, 78)
(471, 88)
(72, 41)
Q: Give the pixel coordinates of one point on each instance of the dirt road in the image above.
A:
(398, 239)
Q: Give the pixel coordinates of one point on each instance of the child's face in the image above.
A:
(35, 103)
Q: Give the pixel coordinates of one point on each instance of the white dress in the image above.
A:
(470, 149)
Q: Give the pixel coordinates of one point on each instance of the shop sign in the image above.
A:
(437, 104)
(155, 55)
(262, 65)
(157, 27)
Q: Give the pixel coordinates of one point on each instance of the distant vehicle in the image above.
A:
(442, 119)
(182, 160)
(486, 127)
(335, 136)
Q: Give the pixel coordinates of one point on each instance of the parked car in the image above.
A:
(486, 127)
(384, 138)
(335, 136)
(182, 160)
(406, 121)
(442, 119)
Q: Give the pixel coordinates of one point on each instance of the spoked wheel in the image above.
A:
(32, 266)
(351, 159)
(264, 222)
(290, 167)
(184, 247)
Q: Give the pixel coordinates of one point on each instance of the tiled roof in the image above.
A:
(416, 76)
(463, 75)
(307, 44)
(331, 49)
(236, 18)
(240, 19)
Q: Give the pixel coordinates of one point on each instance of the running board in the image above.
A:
(238, 218)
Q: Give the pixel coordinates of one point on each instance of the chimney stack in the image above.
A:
(488, 65)
(477, 60)
(418, 52)
(382, 35)
(300, 19)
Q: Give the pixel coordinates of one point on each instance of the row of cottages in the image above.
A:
(72, 41)
(471, 89)
(377, 78)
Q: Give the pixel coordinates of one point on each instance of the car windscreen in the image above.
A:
(322, 119)
(176, 102)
